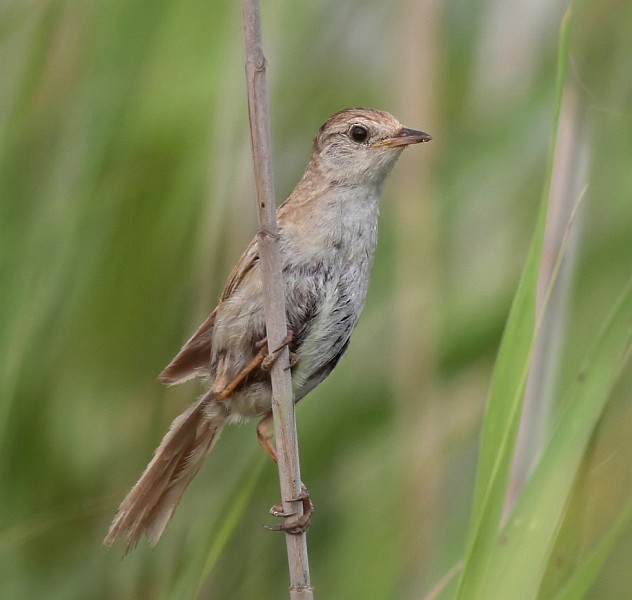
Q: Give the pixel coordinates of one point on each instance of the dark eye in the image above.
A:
(359, 134)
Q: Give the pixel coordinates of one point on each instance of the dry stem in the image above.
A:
(274, 298)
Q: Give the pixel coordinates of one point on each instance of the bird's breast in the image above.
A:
(325, 294)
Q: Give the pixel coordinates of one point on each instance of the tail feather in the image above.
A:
(148, 507)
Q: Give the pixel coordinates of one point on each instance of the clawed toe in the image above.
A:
(299, 523)
(268, 361)
(296, 526)
(277, 511)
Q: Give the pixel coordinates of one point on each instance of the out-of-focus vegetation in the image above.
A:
(126, 195)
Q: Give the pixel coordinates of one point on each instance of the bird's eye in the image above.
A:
(359, 134)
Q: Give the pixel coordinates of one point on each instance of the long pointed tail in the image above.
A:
(148, 507)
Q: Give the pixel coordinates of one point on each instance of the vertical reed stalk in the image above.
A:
(274, 299)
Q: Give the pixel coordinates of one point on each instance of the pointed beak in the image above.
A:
(405, 137)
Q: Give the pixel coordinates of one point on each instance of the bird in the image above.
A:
(327, 237)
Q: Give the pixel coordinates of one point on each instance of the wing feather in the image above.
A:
(194, 358)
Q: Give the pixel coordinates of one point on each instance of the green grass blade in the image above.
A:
(508, 384)
(501, 424)
(524, 548)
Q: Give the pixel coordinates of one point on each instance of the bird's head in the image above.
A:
(359, 146)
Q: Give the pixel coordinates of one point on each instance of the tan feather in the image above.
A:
(246, 262)
(194, 357)
(147, 508)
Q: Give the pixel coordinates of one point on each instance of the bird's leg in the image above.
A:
(265, 435)
(232, 385)
(299, 524)
(263, 359)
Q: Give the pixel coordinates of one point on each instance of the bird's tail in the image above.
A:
(148, 507)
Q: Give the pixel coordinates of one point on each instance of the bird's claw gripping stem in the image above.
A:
(300, 523)
(268, 361)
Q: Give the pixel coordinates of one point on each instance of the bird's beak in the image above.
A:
(404, 137)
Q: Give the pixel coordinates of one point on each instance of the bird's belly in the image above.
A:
(323, 306)
(324, 336)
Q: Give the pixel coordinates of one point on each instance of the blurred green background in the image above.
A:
(126, 195)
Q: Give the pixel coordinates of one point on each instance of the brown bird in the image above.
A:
(327, 240)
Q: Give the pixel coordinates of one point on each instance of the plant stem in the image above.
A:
(274, 299)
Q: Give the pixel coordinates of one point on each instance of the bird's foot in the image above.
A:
(296, 524)
(268, 361)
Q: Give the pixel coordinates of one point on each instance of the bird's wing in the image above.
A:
(193, 360)
(247, 261)
(194, 357)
